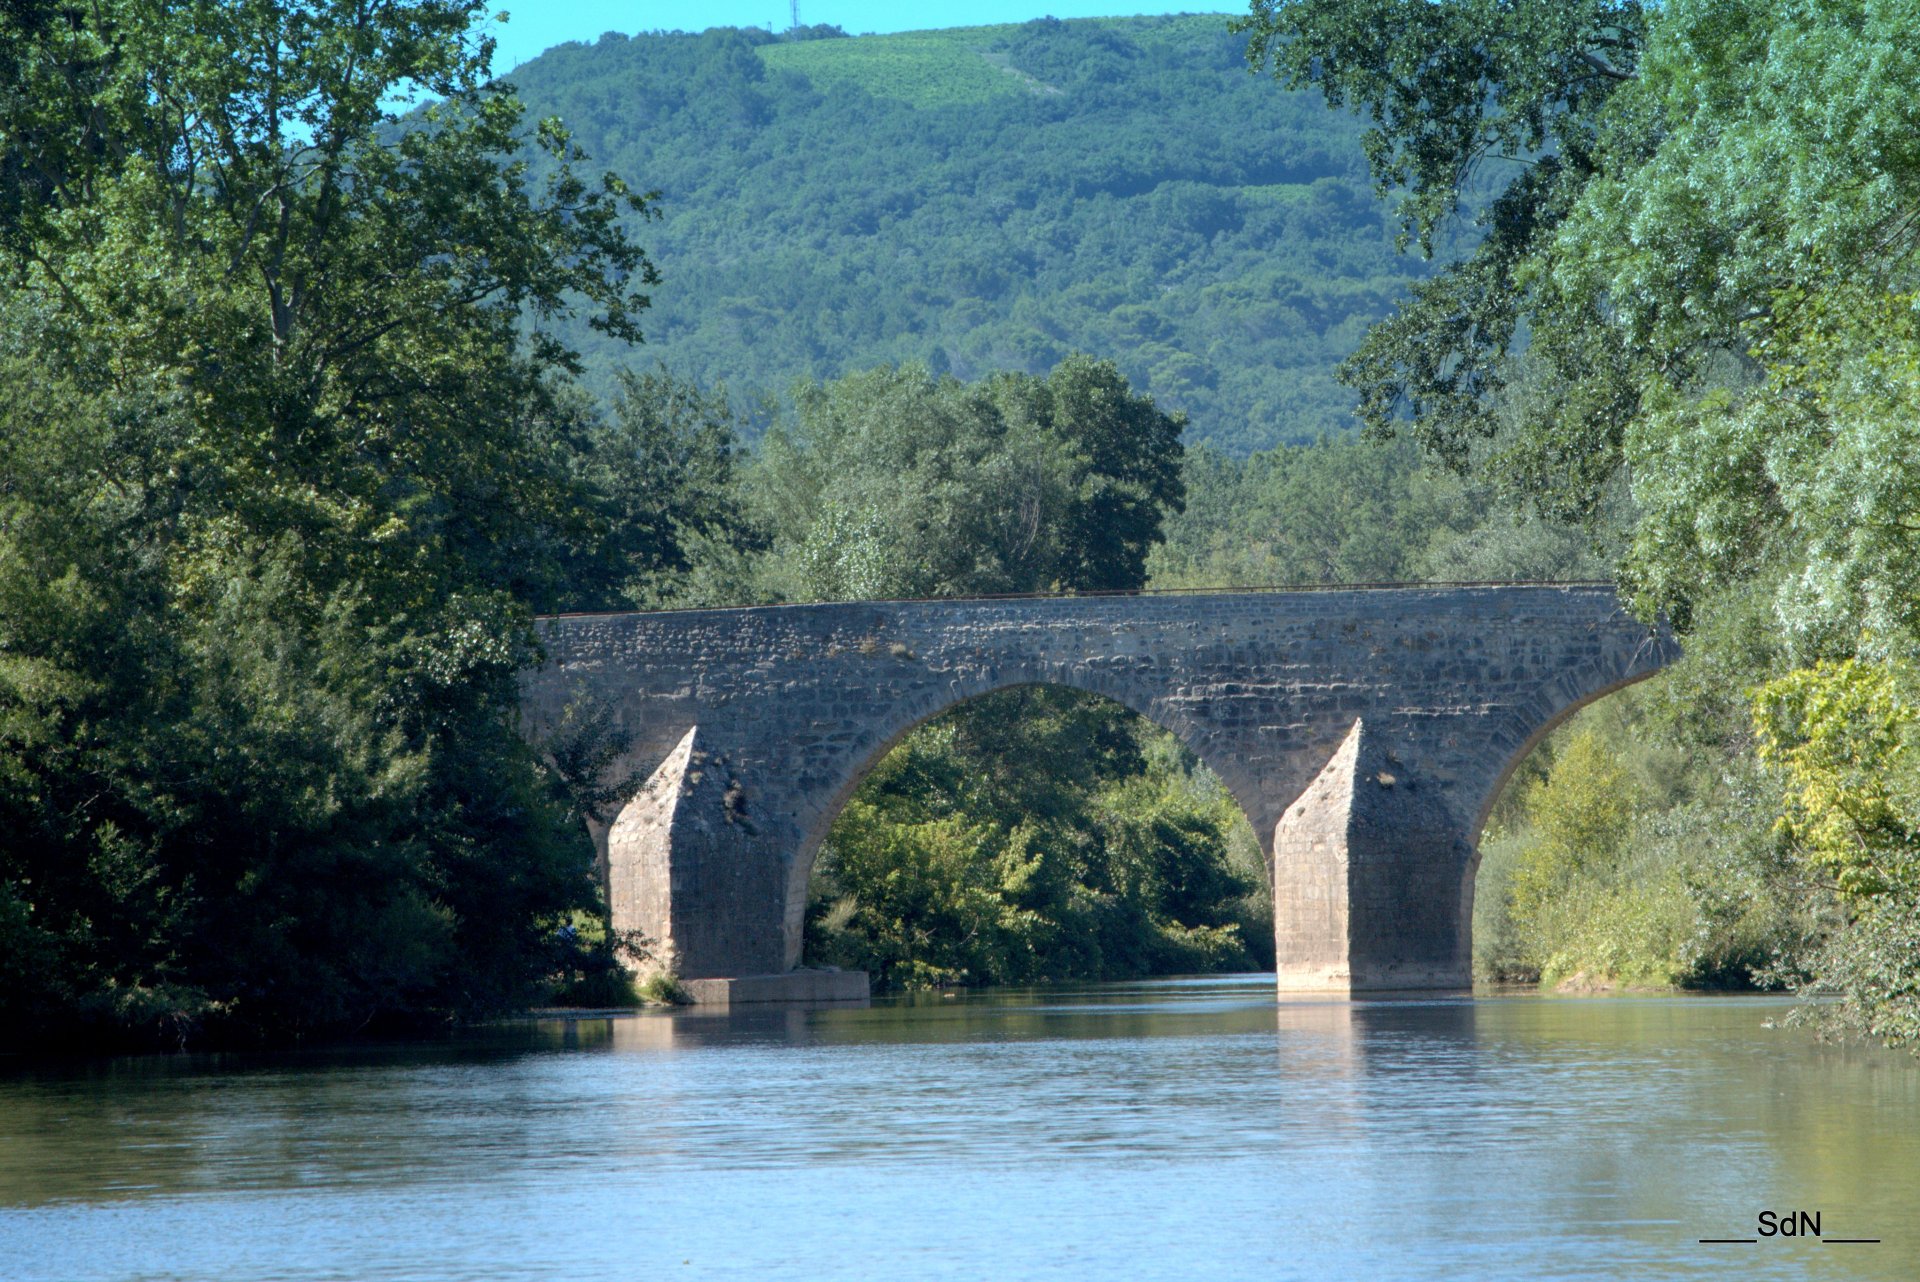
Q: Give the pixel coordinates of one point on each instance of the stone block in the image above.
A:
(811, 987)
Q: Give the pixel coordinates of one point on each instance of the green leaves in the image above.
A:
(275, 489)
(1451, 86)
(1845, 735)
(895, 483)
(957, 862)
(1709, 251)
(1503, 106)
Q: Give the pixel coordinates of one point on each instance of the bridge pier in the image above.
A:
(695, 867)
(1373, 878)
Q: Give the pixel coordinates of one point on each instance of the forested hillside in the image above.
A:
(987, 200)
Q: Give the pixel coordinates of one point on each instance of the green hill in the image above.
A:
(991, 198)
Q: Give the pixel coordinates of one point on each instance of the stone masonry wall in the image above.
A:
(782, 710)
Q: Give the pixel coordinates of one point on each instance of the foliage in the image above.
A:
(1352, 510)
(1488, 92)
(1710, 246)
(1870, 964)
(897, 483)
(593, 964)
(1757, 206)
(1628, 860)
(1580, 814)
(661, 476)
(1843, 735)
(1774, 216)
(1803, 476)
(991, 199)
(664, 990)
(1645, 828)
(276, 478)
(958, 863)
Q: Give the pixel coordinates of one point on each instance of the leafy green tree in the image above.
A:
(895, 483)
(1354, 510)
(1581, 813)
(1506, 103)
(1624, 858)
(1775, 207)
(1123, 457)
(273, 494)
(958, 862)
(1843, 734)
(1341, 510)
(662, 474)
(1686, 187)
(1709, 244)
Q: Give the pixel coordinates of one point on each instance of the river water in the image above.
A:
(1173, 1129)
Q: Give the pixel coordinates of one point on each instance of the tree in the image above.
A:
(1124, 475)
(664, 475)
(1777, 207)
(273, 493)
(1719, 298)
(1505, 106)
(898, 483)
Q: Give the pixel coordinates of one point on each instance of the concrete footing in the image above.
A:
(792, 986)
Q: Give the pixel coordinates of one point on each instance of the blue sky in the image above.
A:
(535, 26)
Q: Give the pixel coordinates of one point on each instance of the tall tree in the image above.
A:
(272, 494)
(1501, 106)
(1718, 293)
(899, 483)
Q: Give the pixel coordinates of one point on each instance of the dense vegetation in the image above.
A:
(283, 462)
(991, 199)
(1706, 246)
(296, 441)
(959, 862)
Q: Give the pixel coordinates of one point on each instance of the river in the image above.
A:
(1168, 1129)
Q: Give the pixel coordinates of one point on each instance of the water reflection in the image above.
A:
(1162, 1129)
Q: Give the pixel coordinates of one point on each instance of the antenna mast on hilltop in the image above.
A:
(794, 5)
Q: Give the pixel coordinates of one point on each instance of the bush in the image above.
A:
(957, 863)
(1625, 862)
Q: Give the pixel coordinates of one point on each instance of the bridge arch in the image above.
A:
(821, 825)
(1585, 684)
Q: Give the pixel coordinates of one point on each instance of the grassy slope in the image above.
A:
(958, 65)
(921, 68)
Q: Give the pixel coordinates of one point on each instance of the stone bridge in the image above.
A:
(1364, 731)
